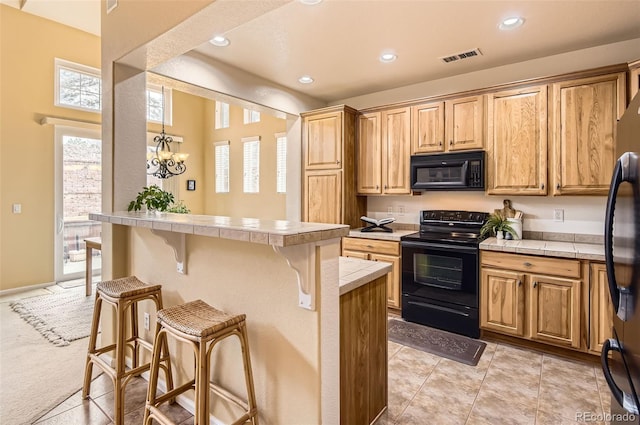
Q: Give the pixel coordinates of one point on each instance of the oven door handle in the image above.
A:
(438, 307)
(423, 245)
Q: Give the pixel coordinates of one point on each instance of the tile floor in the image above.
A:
(508, 386)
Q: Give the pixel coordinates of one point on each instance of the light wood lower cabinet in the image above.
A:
(502, 301)
(323, 202)
(363, 353)
(601, 317)
(521, 302)
(377, 250)
(554, 312)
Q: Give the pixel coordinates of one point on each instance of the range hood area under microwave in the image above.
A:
(448, 171)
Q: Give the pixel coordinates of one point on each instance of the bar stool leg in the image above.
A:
(120, 362)
(248, 374)
(161, 338)
(202, 385)
(134, 335)
(88, 368)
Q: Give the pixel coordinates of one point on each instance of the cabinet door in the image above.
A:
(427, 128)
(634, 78)
(369, 154)
(393, 278)
(465, 117)
(554, 312)
(355, 254)
(517, 142)
(502, 301)
(322, 139)
(583, 131)
(396, 152)
(601, 318)
(323, 197)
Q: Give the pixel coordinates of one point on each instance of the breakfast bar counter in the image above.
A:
(285, 276)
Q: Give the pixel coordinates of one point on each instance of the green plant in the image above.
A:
(153, 198)
(179, 208)
(496, 223)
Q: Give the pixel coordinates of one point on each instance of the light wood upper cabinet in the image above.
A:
(502, 301)
(396, 127)
(384, 152)
(428, 128)
(583, 131)
(601, 318)
(369, 154)
(329, 162)
(517, 142)
(322, 134)
(555, 310)
(464, 121)
(323, 200)
(448, 126)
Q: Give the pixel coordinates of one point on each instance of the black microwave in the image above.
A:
(448, 171)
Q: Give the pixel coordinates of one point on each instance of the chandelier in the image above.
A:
(163, 163)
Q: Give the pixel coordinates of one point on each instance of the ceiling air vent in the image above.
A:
(460, 56)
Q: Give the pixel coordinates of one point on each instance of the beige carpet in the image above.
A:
(35, 375)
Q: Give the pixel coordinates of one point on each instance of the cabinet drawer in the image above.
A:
(371, 245)
(532, 264)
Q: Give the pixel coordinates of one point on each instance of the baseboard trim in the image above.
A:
(13, 291)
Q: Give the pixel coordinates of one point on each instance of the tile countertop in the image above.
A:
(383, 236)
(581, 251)
(354, 272)
(266, 232)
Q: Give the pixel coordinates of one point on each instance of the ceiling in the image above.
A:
(338, 42)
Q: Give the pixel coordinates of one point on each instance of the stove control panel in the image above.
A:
(430, 216)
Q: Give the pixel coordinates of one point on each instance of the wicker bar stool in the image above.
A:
(123, 294)
(202, 326)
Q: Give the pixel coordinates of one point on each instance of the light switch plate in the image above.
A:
(16, 208)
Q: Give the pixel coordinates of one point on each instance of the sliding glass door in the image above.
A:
(78, 193)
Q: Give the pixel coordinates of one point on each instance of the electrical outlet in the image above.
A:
(16, 208)
(558, 214)
(390, 211)
(401, 210)
(147, 325)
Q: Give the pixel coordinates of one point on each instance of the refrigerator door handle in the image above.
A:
(621, 298)
(627, 401)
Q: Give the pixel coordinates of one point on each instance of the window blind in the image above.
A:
(281, 163)
(251, 165)
(222, 166)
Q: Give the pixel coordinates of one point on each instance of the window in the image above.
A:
(155, 108)
(222, 166)
(281, 163)
(77, 86)
(251, 164)
(222, 115)
(251, 116)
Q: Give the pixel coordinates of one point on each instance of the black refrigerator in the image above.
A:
(621, 354)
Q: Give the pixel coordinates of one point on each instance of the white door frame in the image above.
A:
(58, 225)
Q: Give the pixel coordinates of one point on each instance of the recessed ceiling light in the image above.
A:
(310, 2)
(305, 79)
(511, 23)
(388, 57)
(220, 41)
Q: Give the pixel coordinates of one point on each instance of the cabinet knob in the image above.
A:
(440, 142)
(542, 186)
(377, 187)
(385, 186)
(338, 162)
(527, 264)
(558, 186)
(450, 142)
(519, 283)
(535, 284)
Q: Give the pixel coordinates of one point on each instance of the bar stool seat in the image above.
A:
(123, 295)
(202, 326)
